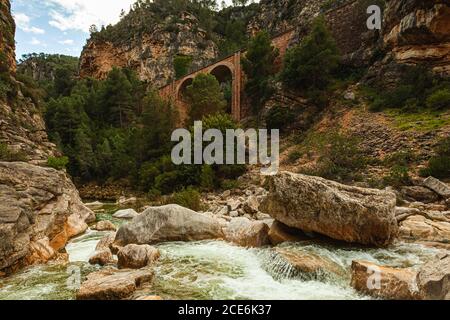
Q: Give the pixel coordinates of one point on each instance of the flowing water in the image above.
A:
(216, 270)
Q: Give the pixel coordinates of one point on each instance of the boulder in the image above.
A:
(418, 193)
(434, 279)
(40, 208)
(126, 214)
(97, 205)
(123, 201)
(307, 264)
(106, 241)
(251, 206)
(384, 282)
(233, 204)
(420, 228)
(313, 204)
(168, 223)
(102, 258)
(104, 226)
(280, 233)
(111, 284)
(135, 256)
(437, 186)
(246, 233)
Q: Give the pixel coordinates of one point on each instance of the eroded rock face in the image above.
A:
(346, 213)
(40, 210)
(246, 233)
(111, 284)
(135, 256)
(384, 282)
(168, 223)
(434, 279)
(421, 228)
(418, 31)
(152, 54)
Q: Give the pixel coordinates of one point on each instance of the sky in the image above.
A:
(61, 26)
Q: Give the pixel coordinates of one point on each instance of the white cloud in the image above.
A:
(67, 42)
(35, 42)
(23, 23)
(81, 14)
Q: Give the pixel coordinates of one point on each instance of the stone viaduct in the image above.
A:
(225, 70)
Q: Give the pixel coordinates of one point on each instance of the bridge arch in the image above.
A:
(224, 73)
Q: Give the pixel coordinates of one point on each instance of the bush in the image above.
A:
(207, 178)
(339, 156)
(181, 64)
(439, 165)
(294, 156)
(58, 163)
(280, 118)
(399, 176)
(439, 99)
(188, 198)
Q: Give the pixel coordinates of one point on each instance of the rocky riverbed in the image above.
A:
(180, 254)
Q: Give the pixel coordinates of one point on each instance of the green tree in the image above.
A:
(311, 64)
(259, 66)
(205, 97)
(181, 65)
(117, 99)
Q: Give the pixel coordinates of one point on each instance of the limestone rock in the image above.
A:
(437, 186)
(102, 258)
(246, 233)
(418, 193)
(135, 256)
(251, 206)
(421, 228)
(151, 53)
(125, 214)
(351, 214)
(111, 284)
(37, 204)
(106, 241)
(308, 264)
(384, 282)
(105, 226)
(150, 298)
(168, 223)
(434, 279)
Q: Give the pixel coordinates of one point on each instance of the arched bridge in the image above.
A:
(228, 69)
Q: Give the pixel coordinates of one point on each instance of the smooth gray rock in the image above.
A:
(168, 223)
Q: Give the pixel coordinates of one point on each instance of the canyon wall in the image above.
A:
(40, 209)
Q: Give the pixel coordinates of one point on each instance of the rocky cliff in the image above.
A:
(40, 208)
(151, 52)
(418, 31)
(7, 30)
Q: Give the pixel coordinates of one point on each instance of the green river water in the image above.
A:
(215, 270)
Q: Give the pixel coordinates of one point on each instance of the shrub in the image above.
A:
(339, 156)
(399, 176)
(58, 163)
(280, 118)
(207, 178)
(188, 198)
(229, 184)
(439, 99)
(181, 64)
(439, 165)
(294, 156)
